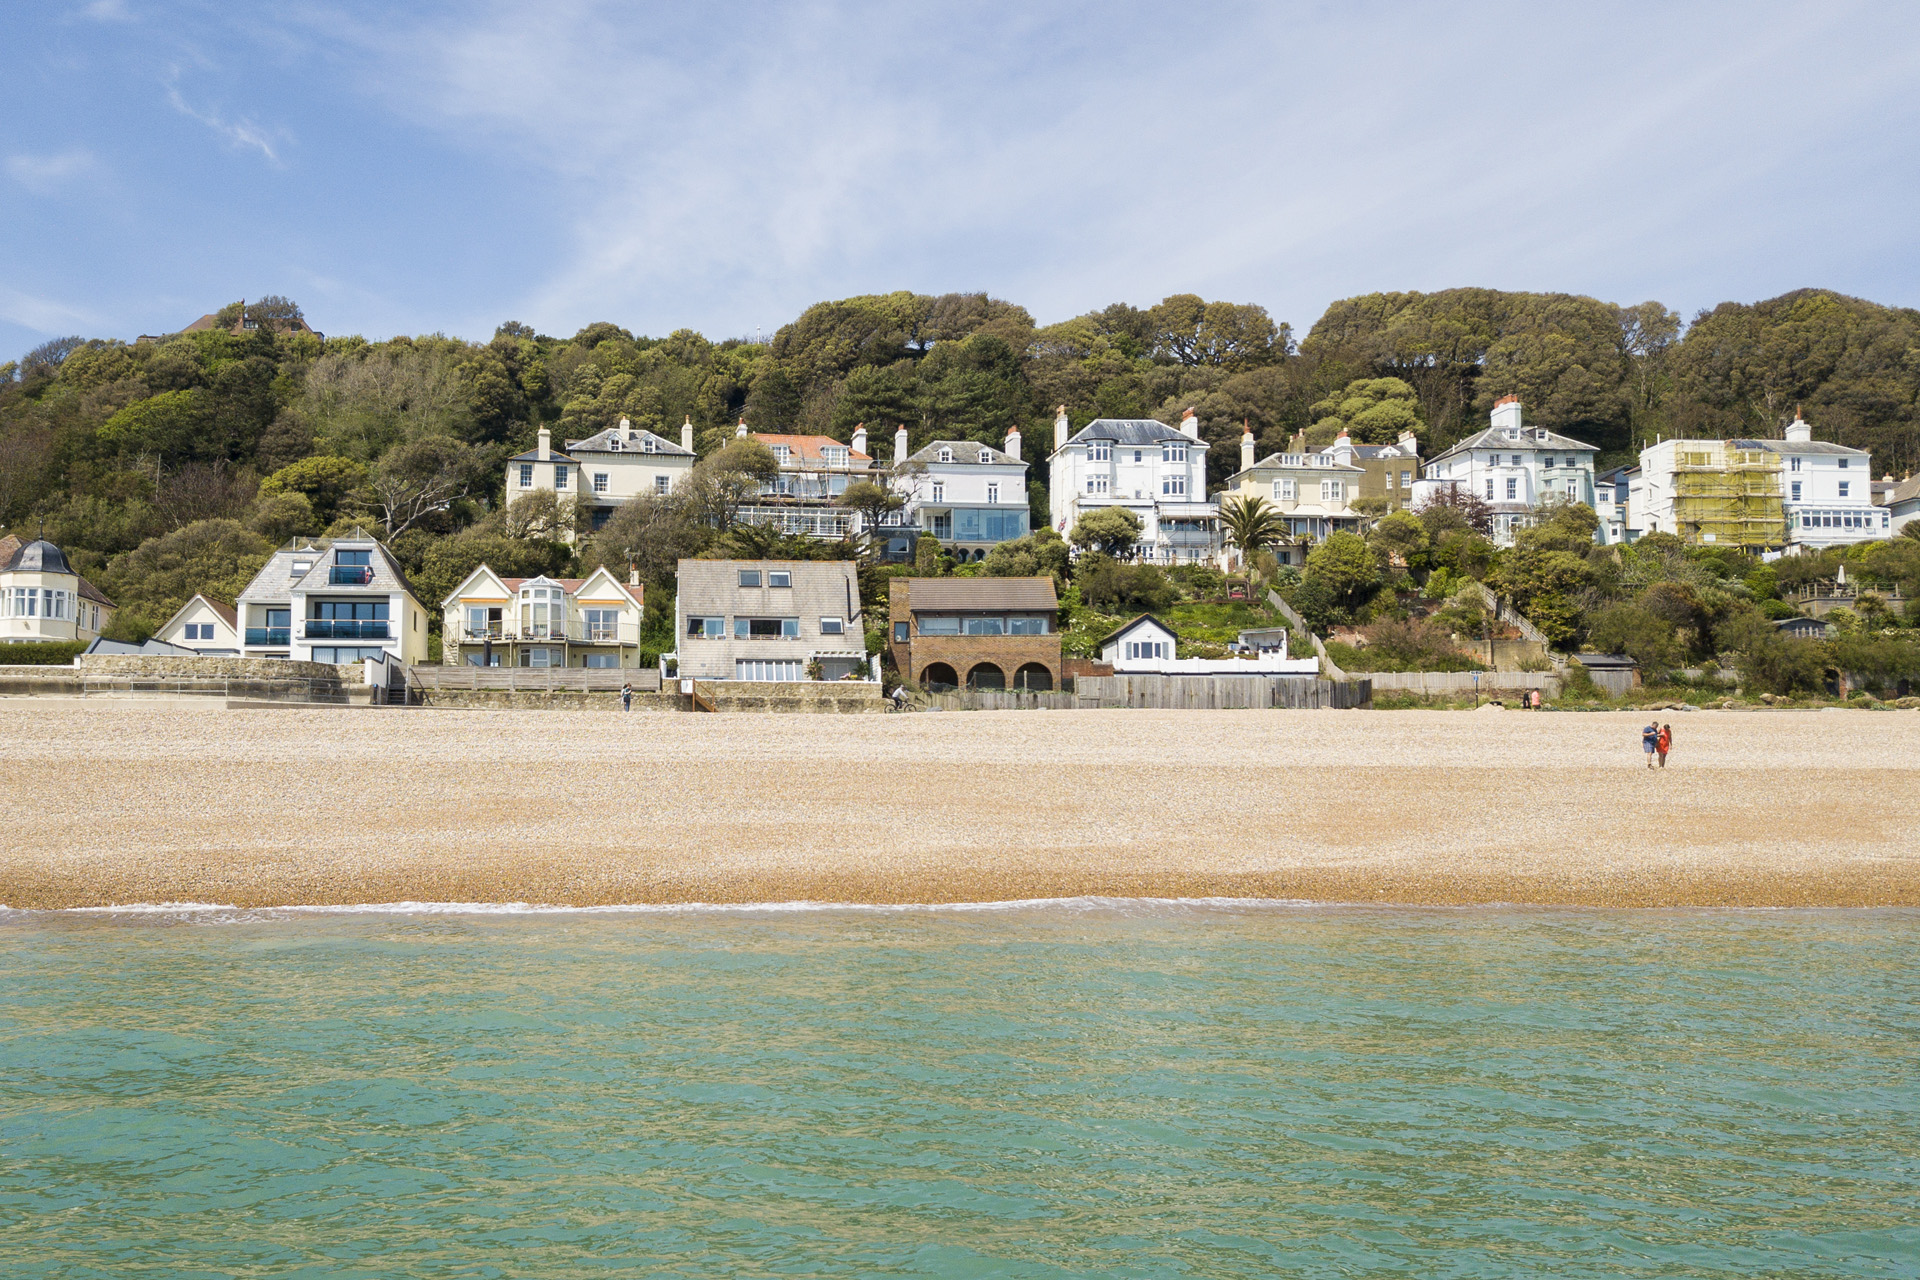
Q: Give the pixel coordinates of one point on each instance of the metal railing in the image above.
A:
(566, 633)
(350, 575)
(346, 629)
(268, 635)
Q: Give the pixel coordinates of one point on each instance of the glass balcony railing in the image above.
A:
(346, 629)
(267, 635)
(350, 575)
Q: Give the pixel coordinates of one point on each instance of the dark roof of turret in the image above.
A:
(41, 556)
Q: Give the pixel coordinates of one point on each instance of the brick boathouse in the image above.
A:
(984, 633)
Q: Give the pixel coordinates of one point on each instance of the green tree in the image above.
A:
(324, 481)
(1643, 636)
(873, 502)
(1041, 552)
(218, 557)
(1401, 534)
(1251, 525)
(1112, 531)
(1370, 410)
(1345, 568)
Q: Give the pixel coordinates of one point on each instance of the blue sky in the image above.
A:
(445, 167)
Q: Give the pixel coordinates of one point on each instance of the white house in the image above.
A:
(1612, 493)
(1515, 469)
(207, 626)
(1827, 491)
(1312, 492)
(1148, 646)
(1155, 471)
(968, 495)
(1903, 503)
(814, 472)
(42, 598)
(336, 601)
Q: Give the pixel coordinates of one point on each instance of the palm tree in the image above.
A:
(1251, 525)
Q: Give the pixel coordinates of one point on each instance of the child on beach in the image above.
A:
(1665, 743)
(1650, 741)
(626, 696)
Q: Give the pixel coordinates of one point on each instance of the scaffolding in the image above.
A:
(1728, 497)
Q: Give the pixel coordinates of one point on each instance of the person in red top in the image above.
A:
(1664, 743)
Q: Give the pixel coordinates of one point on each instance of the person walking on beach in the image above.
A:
(1650, 741)
(626, 696)
(1665, 743)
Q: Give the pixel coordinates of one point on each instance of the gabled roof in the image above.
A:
(1133, 431)
(277, 580)
(967, 451)
(222, 608)
(974, 595)
(1530, 438)
(633, 440)
(1134, 625)
(1906, 491)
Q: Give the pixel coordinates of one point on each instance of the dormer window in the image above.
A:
(836, 456)
(783, 453)
(614, 444)
(946, 455)
(647, 444)
(986, 455)
(353, 559)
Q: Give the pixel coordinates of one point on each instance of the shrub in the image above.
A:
(41, 653)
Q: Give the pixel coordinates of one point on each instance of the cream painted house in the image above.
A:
(42, 598)
(491, 621)
(206, 626)
(1312, 492)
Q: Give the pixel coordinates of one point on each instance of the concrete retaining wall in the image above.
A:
(824, 697)
(135, 665)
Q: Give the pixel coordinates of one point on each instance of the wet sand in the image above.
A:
(123, 802)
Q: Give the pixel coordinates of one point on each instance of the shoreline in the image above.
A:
(126, 803)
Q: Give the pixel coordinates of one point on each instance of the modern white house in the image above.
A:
(1155, 471)
(1612, 493)
(43, 599)
(1148, 646)
(204, 625)
(491, 621)
(337, 601)
(1514, 468)
(968, 495)
(769, 620)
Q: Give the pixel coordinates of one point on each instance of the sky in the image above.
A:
(439, 167)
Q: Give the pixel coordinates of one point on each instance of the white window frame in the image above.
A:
(600, 481)
(526, 475)
(833, 626)
(993, 494)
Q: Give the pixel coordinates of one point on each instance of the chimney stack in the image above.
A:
(686, 434)
(1013, 443)
(900, 445)
(633, 575)
(546, 445)
(1189, 424)
(1410, 442)
(1060, 429)
(1798, 431)
(1506, 413)
(1246, 447)
(860, 438)
(740, 432)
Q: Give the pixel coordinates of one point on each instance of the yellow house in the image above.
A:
(1312, 492)
(42, 598)
(491, 621)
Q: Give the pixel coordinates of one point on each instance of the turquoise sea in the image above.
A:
(1049, 1090)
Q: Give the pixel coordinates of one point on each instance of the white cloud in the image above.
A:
(107, 11)
(43, 315)
(242, 133)
(45, 175)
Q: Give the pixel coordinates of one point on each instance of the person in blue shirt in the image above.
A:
(1650, 741)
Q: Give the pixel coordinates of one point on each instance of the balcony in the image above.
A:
(346, 628)
(570, 633)
(349, 575)
(267, 635)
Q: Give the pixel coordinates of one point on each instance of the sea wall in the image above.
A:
(155, 666)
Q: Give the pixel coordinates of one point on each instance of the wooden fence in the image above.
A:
(538, 679)
(1180, 693)
(1464, 682)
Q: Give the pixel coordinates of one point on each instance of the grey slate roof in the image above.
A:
(964, 451)
(1530, 438)
(633, 440)
(39, 556)
(1820, 447)
(980, 595)
(1133, 431)
(277, 581)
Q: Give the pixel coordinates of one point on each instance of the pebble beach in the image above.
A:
(114, 803)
